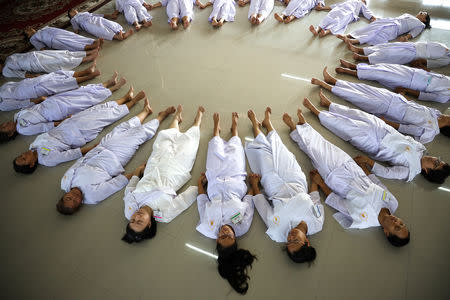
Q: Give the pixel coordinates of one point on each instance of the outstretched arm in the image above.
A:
(243, 2)
(392, 124)
(38, 100)
(322, 7)
(420, 63)
(405, 38)
(32, 75)
(86, 149)
(152, 6)
(411, 92)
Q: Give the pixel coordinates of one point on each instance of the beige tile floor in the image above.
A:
(45, 255)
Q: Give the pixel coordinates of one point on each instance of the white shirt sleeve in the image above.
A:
(56, 157)
(411, 130)
(96, 193)
(75, 25)
(417, 30)
(366, 12)
(202, 199)
(33, 129)
(7, 72)
(164, 2)
(37, 43)
(180, 203)
(438, 62)
(424, 96)
(394, 172)
(131, 186)
(13, 104)
(248, 214)
(263, 207)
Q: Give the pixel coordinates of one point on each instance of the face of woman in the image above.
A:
(422, 16)
(26, 158)
(297, 238)
(431, 163)
(8, 127)
(139, 220)
(226, 236)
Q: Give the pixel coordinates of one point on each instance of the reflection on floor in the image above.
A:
(45, 255)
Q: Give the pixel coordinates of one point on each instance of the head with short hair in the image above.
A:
(394, 228)
(8, 131)
(445, 131)
(29, 32)
(71, 13)
(434, 170)
(70, 202)
(142, 226)
(424, 17)
(233, 264)
(26, 163)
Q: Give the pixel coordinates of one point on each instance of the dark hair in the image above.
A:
(136, 237)
(445, 131)
(304, 254)
(437, 175)
(4, 136)
(396, 241)
(64, 209)
(233, 263)
(25, 169)
(68, 13)
(427, 21)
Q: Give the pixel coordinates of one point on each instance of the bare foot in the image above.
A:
(350, 45)
(198, 117)
(113, 79)
(266, 121)
(130, 94)
(341, 37)
(307, 104)
(121, 82)
(289, 19)
(313, 30)
(216, 118)
(301, 118)
(147, 106)
(251, 115)
(147, 24)
(346, 64)
(278, 18)
(220, 23)
(214, 22)
(234, 121)
(340, 70)
(139, 96)
(91, 69)
(101, 43)
(163, 114)
(137, 26)
(288, 121)
(315, 81)
(322, 33)
(96, 72)
(173, 25)
(327, 77)
(178, 114)
(186, 22)
(324, 100)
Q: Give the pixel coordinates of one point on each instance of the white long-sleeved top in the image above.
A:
(96, 25)
(436, 54)
(16, 65)
(417, 120)
(59, 39)
(432, 86)
(379, 140)
(299, 8)
(133, 10)
(283, 216)
(17, 95)
(225, 171)
(344, 13)
(167, 170)
(98, 174)
(40, 117)
(63, 142)
(357, 192)
(383, 30)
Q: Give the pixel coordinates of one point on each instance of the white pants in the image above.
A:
(260, 7)
(179, 9)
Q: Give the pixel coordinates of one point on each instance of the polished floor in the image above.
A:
(44, 255)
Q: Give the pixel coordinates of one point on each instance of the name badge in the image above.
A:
(385, 197)
(157, 214)
(316, 211)
(45, 151)
(237, 218)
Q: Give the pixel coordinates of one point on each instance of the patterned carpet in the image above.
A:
(15, 15)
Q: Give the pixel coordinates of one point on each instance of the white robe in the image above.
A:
(387, 29)
(63, 142)
(168, 169)
(260, 7)
(299, 8)
(179, 9)
(432, 86)
(223, 9)
(225, 171)
(357, 197)
(344, 13)
(133, 10)
(47, 61)
(96, 25)
(416, 120)
(40, 117)
(17, 95)
(436, 54)
(99, 173)
(59, 39)
(379, 140)
(285, 185)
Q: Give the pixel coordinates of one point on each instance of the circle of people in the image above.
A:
(389, 128)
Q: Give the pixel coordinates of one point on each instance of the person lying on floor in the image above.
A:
(135, 12)
(296, 9)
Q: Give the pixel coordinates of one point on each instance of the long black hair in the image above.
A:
(132, 236)
(233, 264)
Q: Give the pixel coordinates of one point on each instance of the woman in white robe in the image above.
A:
(65, 142)
(361, 199)
(387, 29)
(178, 11)
(60, 39)
(423, 55)
(258, 10)
(100, 172)
(296, 9)
(408, 117)
(425, 86)
(49, 113)
(31, 91)
(22, 65)
(223, 11)
(295, 213)
(340, 15)
(405, 156)
(135, 12)
(98, 25)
